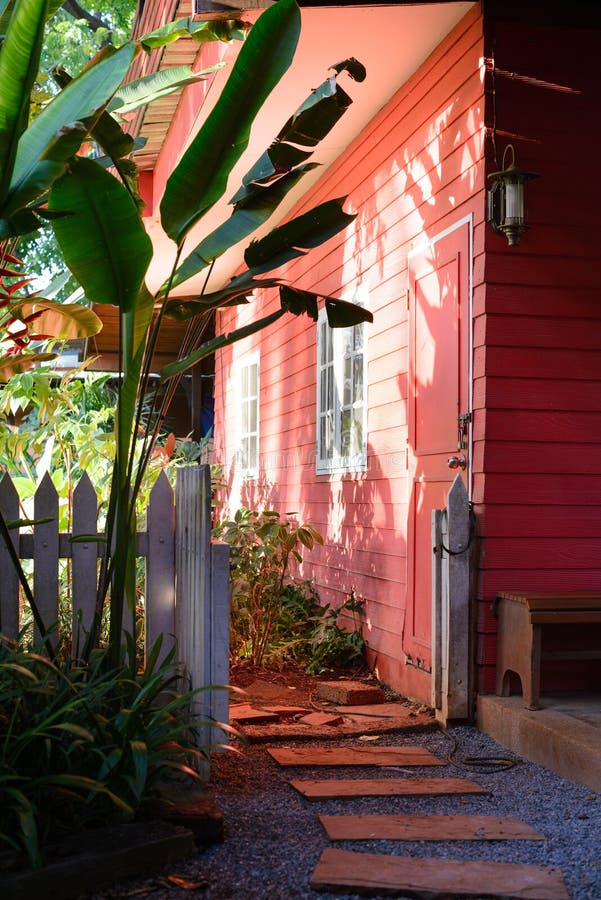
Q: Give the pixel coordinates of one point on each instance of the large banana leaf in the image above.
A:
(309, 125)
(19, 64)
(244, 220)
(201, 177)
(278, 170)
(152, 87)
(81, 99)
(61, 321)
(340, 313)
(14, 365)
(103, 242)
(201, 32)
(292, 239)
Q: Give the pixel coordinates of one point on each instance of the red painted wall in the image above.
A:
(537, 363)
(417, 170)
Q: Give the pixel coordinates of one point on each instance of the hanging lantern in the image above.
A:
(506, 199)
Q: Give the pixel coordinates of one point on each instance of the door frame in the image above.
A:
(419, 248)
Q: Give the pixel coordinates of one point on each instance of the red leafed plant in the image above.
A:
(26, 319)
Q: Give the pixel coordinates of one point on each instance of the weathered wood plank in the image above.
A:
(428, 828)
(343, 871)
(160, 567)
(45, 553)
(84, 566)
(385, 787)
(9, 595)
(354, 756)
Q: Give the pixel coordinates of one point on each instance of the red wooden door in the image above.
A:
(439, 398)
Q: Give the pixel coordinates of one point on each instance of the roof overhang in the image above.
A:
(391, 39)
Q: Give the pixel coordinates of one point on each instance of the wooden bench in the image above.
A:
(520, 620)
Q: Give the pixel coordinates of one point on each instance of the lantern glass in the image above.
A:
(506, 199)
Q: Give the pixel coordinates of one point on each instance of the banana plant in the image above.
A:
(98, 226)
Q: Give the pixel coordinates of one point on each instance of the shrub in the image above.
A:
(82, 746)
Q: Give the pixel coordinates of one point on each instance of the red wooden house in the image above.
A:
(478, 350)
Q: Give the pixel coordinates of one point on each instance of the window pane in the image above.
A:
(252, 416)
(329, 404)
(347, 389)
(244, 422)
(253, 372)
(245, 381)
(347, 340)
(358, 337)
(345, 432)
(358, 379)
(357, 432)
(253, 456)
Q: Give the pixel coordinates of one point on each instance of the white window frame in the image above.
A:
(334, 404)
(249, 464)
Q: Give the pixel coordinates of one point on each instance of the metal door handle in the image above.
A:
(456, 462)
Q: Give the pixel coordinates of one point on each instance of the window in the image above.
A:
(249, 416)
(341, 397)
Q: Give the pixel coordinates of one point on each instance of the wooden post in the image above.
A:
(437, 607)
(456, 696)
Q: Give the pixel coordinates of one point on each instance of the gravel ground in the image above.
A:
(274, 838)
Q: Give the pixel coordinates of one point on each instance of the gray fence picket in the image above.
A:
(9, 585)
(45, 553)
(85, 558)
(160, 566)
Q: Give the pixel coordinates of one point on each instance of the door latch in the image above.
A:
(463, 422)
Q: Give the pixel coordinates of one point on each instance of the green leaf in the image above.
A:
(311, 122)
(201, 32)
(83, 98)
(13, 365)
(152, 87)
(292, 239)
(201, 177)
(342, 314)
(104, 242)
(222, 340)
(245, 220)
(297, 302)
(19, 64)
(63, 321)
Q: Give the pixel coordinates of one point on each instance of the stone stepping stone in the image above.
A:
(349, 693)
(385, 787)
(354, 756)
(244, 714)
(428, 828)
(343, 871)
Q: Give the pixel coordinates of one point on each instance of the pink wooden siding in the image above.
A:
(537, 362)
(416, 170)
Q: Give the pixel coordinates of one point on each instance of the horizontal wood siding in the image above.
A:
(537, 360)
(416, 170)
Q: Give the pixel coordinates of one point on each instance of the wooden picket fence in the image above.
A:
(186, 591)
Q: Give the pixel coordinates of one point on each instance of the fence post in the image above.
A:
(160, 567)
(200, 606)
(45, 553)
(9, 590)
(84, 557)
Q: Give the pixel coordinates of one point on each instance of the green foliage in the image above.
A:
(333, 647)
(275, 619)
(81, 746)
(45, 175)
(263, 547)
